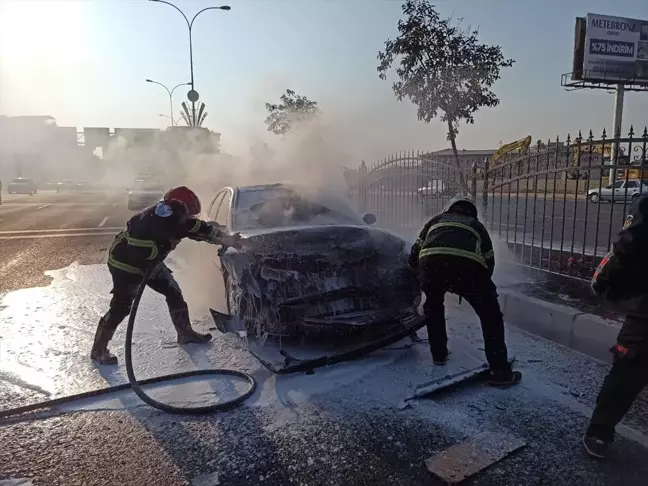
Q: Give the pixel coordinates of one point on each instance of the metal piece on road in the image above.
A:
(448, 381)
(206, 479)
(103, 222)
(462, 461)
(43, 207)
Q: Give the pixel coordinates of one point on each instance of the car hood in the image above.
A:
(322, 277)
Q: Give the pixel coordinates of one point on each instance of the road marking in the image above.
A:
(58, 235)
(103, 221)
(43, 207)
(61, 230)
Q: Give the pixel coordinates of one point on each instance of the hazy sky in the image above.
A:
(84, 62)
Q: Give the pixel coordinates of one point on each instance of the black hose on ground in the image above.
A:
(137, 385)
(217, 407)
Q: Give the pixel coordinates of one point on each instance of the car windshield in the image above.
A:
(21, 181)
(280, 207)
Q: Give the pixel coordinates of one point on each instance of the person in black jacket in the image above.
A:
(454, 253)
(621, 278)
(143, 245)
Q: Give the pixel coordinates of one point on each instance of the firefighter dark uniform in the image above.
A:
(454, 253)
(621, 278)
(144, 243)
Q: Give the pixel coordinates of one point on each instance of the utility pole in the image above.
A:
(192, 95)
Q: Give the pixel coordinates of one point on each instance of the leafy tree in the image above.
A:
(443, 70)
(292, 108)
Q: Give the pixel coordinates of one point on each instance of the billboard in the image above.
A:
(614, 50)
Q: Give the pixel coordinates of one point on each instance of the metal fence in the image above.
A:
(557, 209)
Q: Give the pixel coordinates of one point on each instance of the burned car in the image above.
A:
(312, 269)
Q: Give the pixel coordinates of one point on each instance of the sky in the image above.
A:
(85, 62)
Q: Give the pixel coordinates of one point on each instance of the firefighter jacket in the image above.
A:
(456, 234)
(622, 272)
(150, 235)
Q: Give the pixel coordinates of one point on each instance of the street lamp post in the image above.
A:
(170, 94)
(193, 96)
(174, 123)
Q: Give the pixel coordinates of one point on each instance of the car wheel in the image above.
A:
(594, 197)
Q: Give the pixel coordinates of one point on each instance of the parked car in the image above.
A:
(84, 186)
(22, 185)
(313, 268)
(144, 193)
(620, 190)
(65, 185)
(435, 187)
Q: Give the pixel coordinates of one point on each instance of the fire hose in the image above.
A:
(136, 385)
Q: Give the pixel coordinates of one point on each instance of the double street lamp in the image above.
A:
(170, 96)
(193, 94)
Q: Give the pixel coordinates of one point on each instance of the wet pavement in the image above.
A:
(51, 231)
(340, 426)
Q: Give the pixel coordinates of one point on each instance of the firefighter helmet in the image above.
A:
(185, 197)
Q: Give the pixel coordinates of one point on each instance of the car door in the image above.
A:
(630, 189)
(617, 192)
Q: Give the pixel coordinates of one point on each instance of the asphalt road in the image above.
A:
(48, 231)
(571, 221)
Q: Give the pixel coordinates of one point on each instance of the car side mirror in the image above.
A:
(369, 218)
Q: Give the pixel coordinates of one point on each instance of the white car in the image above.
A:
(435, 187)
(144, 194)
(620, 190)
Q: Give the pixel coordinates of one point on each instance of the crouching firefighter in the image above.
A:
(454, 253)
(621, 279)
(143, 244)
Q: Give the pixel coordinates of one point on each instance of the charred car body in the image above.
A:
(313, 268)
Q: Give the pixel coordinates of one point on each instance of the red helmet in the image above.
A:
(185, 197)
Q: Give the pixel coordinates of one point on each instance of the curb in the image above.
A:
(586, 333)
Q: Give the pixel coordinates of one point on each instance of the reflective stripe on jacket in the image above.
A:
(454, 234)
(148, 238)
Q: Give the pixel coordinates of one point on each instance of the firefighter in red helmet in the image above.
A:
(142, 245)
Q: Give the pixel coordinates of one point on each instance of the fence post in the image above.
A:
(485, 190)
(473, 189)
(362, 190)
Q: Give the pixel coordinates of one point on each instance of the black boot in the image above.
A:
(440, 356)
(100, 353)
(504, 377)
(182, 324)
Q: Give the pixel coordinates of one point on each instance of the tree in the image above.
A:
(441, 69)
(292, 108)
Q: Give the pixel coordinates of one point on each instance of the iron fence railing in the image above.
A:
(556, 209)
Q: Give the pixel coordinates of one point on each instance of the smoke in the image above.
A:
(311, 155)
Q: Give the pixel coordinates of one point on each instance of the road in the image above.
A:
(48, 231)
(528, 218)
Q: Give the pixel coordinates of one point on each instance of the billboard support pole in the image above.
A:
(616, 129)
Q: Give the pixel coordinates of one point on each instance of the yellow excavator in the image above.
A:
(522, 144)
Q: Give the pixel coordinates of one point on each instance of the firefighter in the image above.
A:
(621, 279)
(454, 253)
(143, 244)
